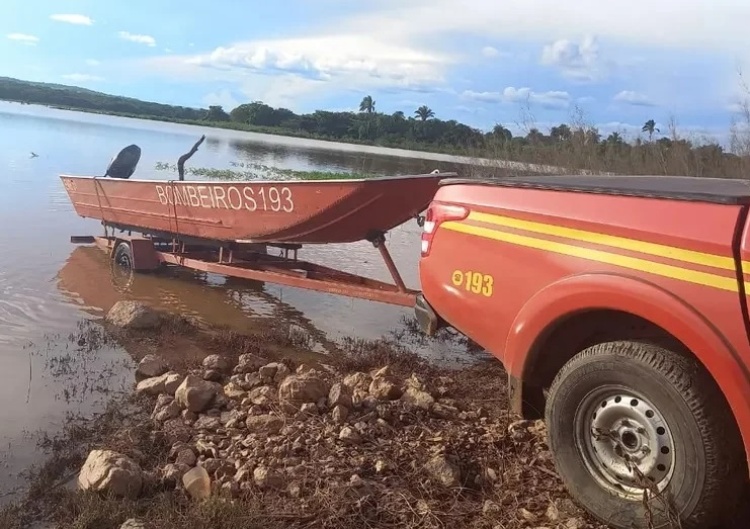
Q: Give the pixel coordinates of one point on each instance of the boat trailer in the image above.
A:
(148, 252)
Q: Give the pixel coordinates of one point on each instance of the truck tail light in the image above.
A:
(436, 214)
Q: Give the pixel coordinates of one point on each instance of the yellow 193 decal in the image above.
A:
(475, 282)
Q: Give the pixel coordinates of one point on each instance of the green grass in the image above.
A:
(251, 171)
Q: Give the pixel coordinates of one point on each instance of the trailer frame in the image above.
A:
(148, 251)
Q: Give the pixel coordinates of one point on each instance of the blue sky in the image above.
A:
(517, 62)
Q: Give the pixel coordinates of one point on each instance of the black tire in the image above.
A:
(666, 401)
(123, 256)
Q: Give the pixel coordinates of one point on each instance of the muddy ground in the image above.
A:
(367, 436)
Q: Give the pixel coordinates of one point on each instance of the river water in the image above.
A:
(48, 285)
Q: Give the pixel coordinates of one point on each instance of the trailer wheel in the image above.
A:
(624, 418)
(123, 256)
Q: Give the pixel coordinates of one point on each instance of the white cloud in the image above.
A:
(674, 24)
(148, 40)
(82, 77)
(551, 99)
(490, 52)
(578, 61)
(223, 98)
(630, 97)
(23, 38)
(92, 62)
(330, 56)
(79, 20)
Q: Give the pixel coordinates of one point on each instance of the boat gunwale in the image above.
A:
(235, 182)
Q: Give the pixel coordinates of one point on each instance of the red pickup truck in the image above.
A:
(618, 306)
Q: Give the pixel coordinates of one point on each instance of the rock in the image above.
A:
(247, 363)
(151, 386)
(443, 411)
(195, 394)
(349, 436)
(266, 478)
(129, 314)
(189, 416)
(261, 396)
(233, 390)
(268, 424)
(172, 473)
(575, 523)
(133, 523)
(418, 398)
(206, 422)
(166, 408)
(303, 368)
(268, 371)
(340, 395)
(231, 416)
(382, 372)
(415, 382)
(250, 381)
(443, 471)
(380, 466)
(151, 366)
(294, 489)
(296, 390)
(339, 413)
(108, 471)
(212, 376)
(384, 389)
(187, 457)
(308, 410)
(175, 430)
(172, 381)
(216, 363)
(282, 371)
(219, 468)
(197, 483)
(552, 513)
(357, 381)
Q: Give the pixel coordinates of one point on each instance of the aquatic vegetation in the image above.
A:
(254, 171)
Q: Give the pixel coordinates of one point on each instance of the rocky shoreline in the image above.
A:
(294, 444)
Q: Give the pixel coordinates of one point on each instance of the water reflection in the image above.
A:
(279, 155)
(92, 281)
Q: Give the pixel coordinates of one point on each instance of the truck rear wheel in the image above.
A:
(624, 418)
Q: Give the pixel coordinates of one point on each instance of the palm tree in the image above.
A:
(367, 105)
(615, 139)
(650, 127)
(424, 113)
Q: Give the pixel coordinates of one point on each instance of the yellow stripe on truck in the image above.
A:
(624, 261)
(623, 243)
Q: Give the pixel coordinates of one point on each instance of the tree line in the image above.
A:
(577, 146)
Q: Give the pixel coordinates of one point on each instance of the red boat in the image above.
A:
(295, 212)
(227, 227)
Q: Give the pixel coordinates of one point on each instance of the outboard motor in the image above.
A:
(124, 163)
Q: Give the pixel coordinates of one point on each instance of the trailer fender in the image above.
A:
(144, 258)
(640, 298)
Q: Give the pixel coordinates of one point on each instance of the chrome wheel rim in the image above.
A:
(625, 442)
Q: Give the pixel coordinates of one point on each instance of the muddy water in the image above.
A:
(48, 285)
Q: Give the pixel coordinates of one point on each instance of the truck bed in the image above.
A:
(690, 188)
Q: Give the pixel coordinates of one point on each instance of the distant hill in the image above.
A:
(52, 94)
